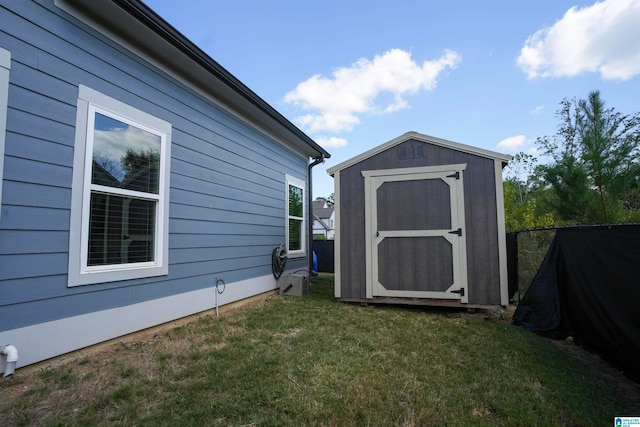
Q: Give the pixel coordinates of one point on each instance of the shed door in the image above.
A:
(415, 233)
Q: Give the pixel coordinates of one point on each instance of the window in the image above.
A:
(295, 218)
(5, 66)
(119, 218)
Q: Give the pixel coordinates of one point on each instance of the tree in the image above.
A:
(328, 200)
(595, 156)
(141, 160)
(140, 169)
(525, 195)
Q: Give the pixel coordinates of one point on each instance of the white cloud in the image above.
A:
(537, 110)
(600, 38)
(512, 143)
(336, 103)
(331, 141)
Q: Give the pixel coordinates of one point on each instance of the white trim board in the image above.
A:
(337, 238)
(43, 341)
(502, 237)
(5, 68)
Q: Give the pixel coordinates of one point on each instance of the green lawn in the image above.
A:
(314, 361)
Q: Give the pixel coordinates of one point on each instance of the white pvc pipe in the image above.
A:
(217, 313)
(218, 291)
(12, 357)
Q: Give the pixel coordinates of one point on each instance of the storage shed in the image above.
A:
(420, 220)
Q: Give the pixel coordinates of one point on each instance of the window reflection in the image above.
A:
(124, 156)
(295, 201)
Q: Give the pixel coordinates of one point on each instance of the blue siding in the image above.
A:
(227, 179)
(15, 242)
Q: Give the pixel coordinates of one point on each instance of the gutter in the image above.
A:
(315, 162)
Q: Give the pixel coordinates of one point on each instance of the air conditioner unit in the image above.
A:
(294, 284)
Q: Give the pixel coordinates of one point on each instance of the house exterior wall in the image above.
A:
(481, 218)
(332, 225)
(325, 227)
(227, 190)
(319, 229)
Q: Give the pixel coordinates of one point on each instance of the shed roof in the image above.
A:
(415, 136)
(136, 26)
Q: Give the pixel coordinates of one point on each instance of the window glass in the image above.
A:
(295, 217)
(295, 201)
(122, 226)
(124, 156)
(121, 230)
(295, 235)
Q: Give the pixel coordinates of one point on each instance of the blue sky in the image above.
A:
(354, 74)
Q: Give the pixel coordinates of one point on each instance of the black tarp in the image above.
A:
(588, 287)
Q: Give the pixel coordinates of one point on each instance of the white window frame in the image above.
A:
(5, 67)
(292, 181)
(79, 273)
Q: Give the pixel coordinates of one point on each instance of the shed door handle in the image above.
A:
(458, 232)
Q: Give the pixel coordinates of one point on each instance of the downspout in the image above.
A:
(12, 357)
(315, 162)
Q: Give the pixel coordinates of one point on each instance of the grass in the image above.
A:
(314, 361)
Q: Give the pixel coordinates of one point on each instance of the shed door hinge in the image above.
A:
(455, 175)
(458, 232)
(459, 291)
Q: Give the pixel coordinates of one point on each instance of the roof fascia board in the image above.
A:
(139, 29)
(422, 138)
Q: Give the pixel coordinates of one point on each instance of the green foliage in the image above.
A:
(594, 172)
(525, 194)
(593, 176)
(525, 214)
(328, 200)
(134, 162)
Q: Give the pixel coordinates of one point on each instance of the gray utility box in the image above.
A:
(294, 284)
